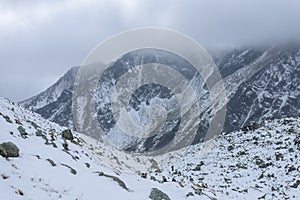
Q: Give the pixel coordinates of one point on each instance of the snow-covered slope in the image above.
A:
(48, 169)
(259, 162)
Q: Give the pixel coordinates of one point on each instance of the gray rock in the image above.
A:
(39, 133)
(7, 119)
(189, 194)
(156, 194)
(116, 179)
(198, 167)
(51, 162)
(22, 131)
(73, 171)
(296, 184)
(18, 122)
(67, 134)
(9, 149)
(198, 191)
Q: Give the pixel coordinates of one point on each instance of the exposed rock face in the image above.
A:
(272, 92)
(55, 103)
(237, 59)
(9, 149)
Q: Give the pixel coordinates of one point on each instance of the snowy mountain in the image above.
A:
(258, 162)
(55, 103)
(268, 87)
(261, 84)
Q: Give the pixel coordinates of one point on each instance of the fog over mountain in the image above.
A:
(42, 40)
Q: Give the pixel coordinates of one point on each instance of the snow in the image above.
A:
(218, 176)
(274, 138)
(32, 174)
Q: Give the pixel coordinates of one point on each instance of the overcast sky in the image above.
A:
(41, 40)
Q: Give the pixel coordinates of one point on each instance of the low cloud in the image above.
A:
(41, 40)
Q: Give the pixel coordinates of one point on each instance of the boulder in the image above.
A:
(22, 131)
(67, 134)
(9, 149)
(156, 194)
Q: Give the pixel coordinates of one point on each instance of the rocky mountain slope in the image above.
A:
(258, 162)
(55, 103)
(261, 84)
(270, 91)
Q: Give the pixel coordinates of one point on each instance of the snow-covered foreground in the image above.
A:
(48, 171)
(262, 163)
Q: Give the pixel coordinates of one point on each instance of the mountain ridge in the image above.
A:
(243, 71)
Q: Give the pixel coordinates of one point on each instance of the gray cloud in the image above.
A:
(41, 40)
